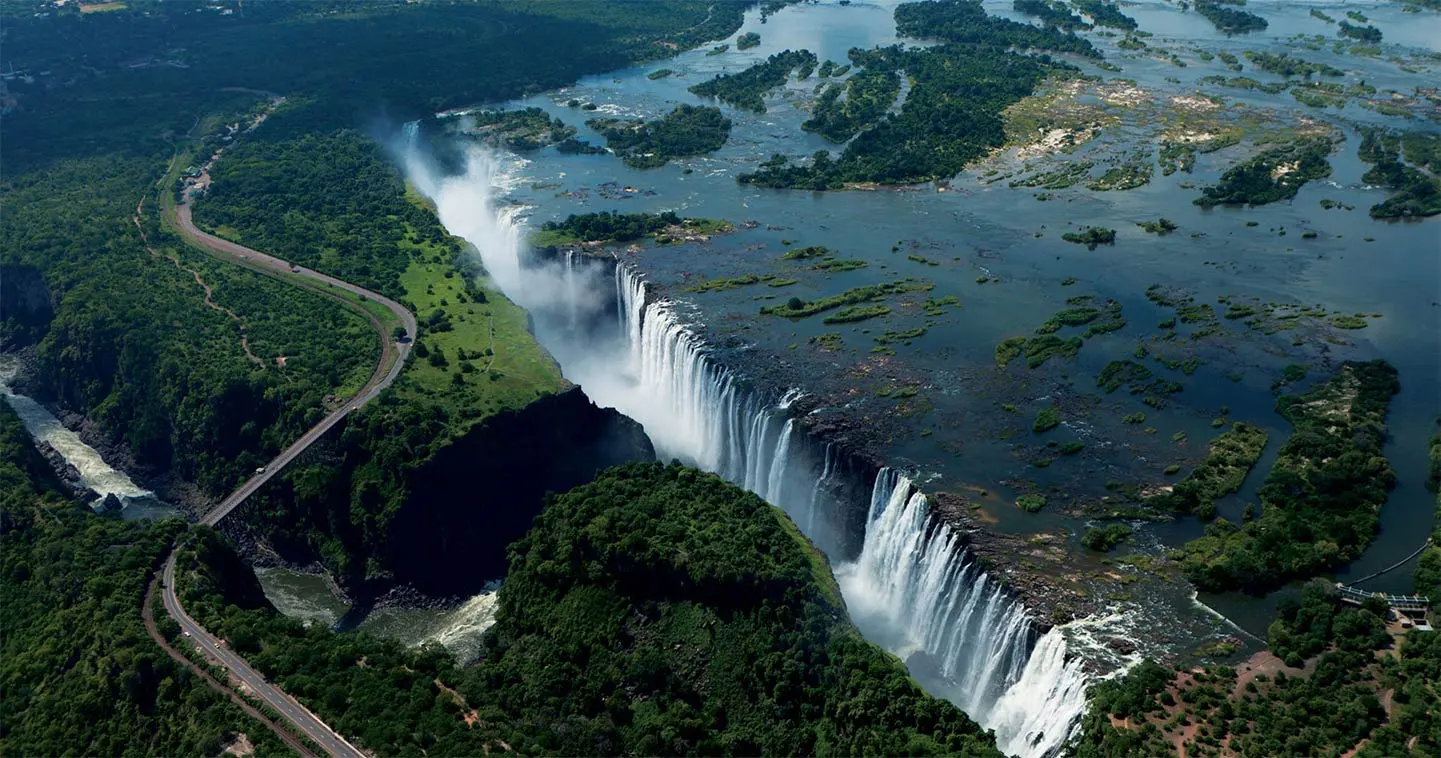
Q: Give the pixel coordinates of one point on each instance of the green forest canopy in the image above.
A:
(78, 673)
(654, 610)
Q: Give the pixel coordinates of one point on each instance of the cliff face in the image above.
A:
(25, 306)
(479, 494)
(444, 523)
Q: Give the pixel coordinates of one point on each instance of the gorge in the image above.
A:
(909, 581)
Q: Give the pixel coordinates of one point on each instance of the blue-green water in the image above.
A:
(971, 228)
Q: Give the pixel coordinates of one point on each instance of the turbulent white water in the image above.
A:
(95, 473)
(912, 589)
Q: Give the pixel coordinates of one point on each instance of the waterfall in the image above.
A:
(913, 588)
(820, 490)
(1043, 709)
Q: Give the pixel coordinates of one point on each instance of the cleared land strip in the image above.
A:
(392, 360)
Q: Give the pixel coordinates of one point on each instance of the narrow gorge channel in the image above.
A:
(910, 583)
(85, 468)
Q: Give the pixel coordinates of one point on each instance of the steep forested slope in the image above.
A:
(126, 338)
(656, 610)
(78, 674)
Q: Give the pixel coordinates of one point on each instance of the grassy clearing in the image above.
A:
(798, 308)
(487, 361)
(102, 7)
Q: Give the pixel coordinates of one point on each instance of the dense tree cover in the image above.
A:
(78, 673)
(1321, 498)
(1229, 20)
(1428, 568)
(935, 134)
(684, 132)
(1091, 236)
(655, 610)
(868, 95)
(966, 22)
(1161, 226)
(1105, 538)
(352, 61)
(131, 342)
(1364, 33)
(331, 202)
(1417, 193)
(1105, 14)
(1229, 460)
(950, 116)
(127, 339)
(747, 41)
(1329, 709)
(608, 226)
(521, 130)
(1282, 64)
(1433, 469)
(747, 88)
(1056, 15)
(1276, 174)
(716, 617)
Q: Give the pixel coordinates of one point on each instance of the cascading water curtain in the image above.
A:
(914, 586)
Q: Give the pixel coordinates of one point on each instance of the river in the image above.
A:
(709, 379)
(95, 474)
(1347, 262)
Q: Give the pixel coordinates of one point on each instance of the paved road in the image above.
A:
(327, 738)
(392, 359)
(203, 675)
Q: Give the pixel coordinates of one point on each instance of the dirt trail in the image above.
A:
(209, 293)
(148, 616)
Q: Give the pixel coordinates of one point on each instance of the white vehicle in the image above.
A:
(187, 634)
(260, 470)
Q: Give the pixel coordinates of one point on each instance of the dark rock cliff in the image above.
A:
(25, 306)
(479, 494)
(457, 510)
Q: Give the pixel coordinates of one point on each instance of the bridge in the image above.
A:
(1400, 603)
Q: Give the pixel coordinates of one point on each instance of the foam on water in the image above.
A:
(913, 588)
(95, 473)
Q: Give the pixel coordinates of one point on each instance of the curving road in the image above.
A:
(392, 358)
(392, 361)
(328, 739)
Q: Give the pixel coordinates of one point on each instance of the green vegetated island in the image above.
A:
(932, 135)
(608, 227)
(684, 132)
(1321, 500)
(747, 89)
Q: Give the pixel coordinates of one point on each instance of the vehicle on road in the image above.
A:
(259, 469)
(187, 634)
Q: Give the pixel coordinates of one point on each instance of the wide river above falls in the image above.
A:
(972, 228)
